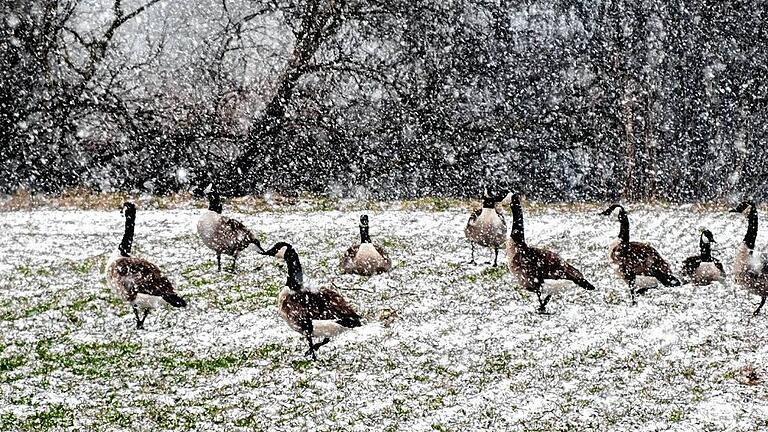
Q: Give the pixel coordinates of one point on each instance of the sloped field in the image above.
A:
(446, 345)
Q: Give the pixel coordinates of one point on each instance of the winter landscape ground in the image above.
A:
(446, 345)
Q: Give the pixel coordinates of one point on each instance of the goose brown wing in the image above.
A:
(306, 306)
(139, 276)
(348, 258)
(645, 259)
(383, 252)
(239, 232)
(553, 267)
(691, 264)
(473, 216)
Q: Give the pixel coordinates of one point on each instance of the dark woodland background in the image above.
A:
(563, 100)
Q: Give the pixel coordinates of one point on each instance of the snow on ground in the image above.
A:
(465, 351)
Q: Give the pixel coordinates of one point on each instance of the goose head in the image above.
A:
(743, 207)
(128, 209)
(610, 210)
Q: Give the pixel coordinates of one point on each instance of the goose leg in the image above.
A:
(319, 344)
(472, 260)
(631, 283)
(311, 350)
(146, 312)
(495, 256)
(234, 262)
(542, 303)
(139, 321)
(218, 260)
(757, 311)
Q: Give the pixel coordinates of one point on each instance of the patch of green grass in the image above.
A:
(596, 354)
(214, 364)
(494, 272)
(301, 365)
(202, 267)
(8, 364)
(111, 417)
(210, 365)
(93, 360)
(676, 415)
(26, 270)
(688, 373)
(497, 363)
(251, 422)
(85, 266)
(389, 243)
(57, 417)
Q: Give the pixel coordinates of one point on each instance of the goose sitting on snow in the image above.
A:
(365, 259)
(137, 281)
(487, 227)
(750, 268)
(221, 234)
(704, 269)
(321, 313)
(533, 266)
(634, 259)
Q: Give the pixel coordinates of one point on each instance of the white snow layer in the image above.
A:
(446, 345)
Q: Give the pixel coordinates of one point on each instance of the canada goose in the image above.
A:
(221, 234)
(703, 269)
(487, 227)
(365, 258)
(750, 269)
(533, 266)
(319, 313)
(635, 259)
(137, 281)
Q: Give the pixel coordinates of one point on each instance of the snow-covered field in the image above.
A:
(445, 346)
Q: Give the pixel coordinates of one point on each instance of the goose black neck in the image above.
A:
(518, 229)
(127, 242)
(365, 237)
(751, 236)
(706, 249)
(624, 227)
(214, 202)
(295, 273)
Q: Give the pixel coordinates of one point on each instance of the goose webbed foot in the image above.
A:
(542, 310)
(316, 346)
(140, 321)
(312, 351)
(642, 290)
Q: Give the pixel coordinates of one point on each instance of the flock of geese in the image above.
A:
(320, 314)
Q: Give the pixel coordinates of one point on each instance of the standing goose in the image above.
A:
(366, 258)
(137, 281)
(533, 266)
(635, 259)
(221, 234)
(750, 268)
(704, 269)
(487, 227)
(319, 313)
